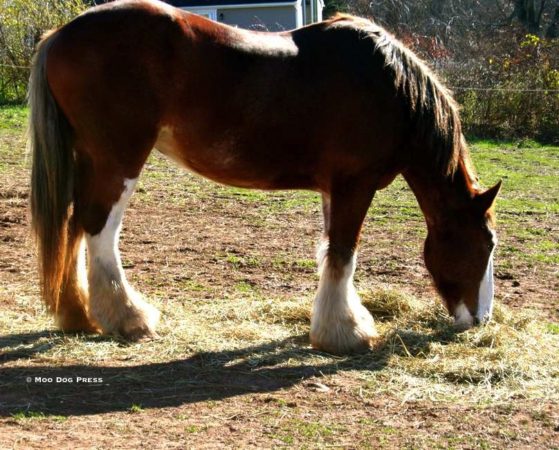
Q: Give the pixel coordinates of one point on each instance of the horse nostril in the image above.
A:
(476, 321)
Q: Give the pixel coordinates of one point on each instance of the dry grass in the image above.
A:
(418, 355)
(514, 356)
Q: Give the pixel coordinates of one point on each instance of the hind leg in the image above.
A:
(72, 313)
(114, 304)
(340, 324)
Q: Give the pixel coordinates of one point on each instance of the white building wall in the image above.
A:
(278, 18)
(267, 17)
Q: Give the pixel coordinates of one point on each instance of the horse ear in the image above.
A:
(484, 200)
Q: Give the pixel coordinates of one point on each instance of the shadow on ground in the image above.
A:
(203, 376)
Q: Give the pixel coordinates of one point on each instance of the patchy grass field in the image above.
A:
(233, 272)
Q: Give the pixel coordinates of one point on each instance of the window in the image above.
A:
(206, 12)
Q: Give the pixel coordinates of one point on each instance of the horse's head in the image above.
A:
(459, 255)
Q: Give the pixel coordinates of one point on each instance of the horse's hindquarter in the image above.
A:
(110, 72)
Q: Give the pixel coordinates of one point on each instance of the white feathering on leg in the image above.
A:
(114, 304)
(340, 323)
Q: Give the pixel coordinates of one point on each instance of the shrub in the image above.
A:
(22, 22)
(516, 92)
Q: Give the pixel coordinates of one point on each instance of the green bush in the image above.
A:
(517, 92)
(22, 22)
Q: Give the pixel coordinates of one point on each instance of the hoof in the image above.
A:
(349, 334)
(140, 334)
(130, 317)
(139, 324)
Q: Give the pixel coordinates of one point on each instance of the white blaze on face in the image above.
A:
(486, 290)
(463, 318)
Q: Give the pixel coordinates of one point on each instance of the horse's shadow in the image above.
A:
(204, 376)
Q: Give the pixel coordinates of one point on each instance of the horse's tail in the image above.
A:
(52, 177)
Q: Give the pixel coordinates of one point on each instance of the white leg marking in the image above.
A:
(462, 317)
(114, 304)
(321, 252)
(339, 322)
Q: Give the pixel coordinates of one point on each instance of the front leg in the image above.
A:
(340, 324)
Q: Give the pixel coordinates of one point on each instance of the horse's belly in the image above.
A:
(222, 161)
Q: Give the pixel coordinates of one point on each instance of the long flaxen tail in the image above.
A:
(52, 179)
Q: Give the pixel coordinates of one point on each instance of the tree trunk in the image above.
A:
(525, 12)
(553, 28)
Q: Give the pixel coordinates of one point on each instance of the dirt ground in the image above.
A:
(196, 247)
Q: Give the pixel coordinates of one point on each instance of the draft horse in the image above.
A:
(339, 107)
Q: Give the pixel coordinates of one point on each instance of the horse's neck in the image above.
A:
(440, 196)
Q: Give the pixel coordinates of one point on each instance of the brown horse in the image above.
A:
(339, 107)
